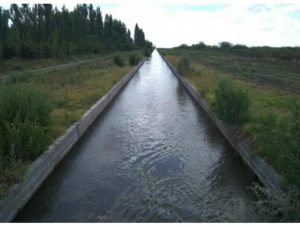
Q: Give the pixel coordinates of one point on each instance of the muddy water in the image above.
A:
(153, 156)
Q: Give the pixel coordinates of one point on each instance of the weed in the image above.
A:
(277, 207)
(133, 59)
(231, 104)
(184, 66)
(24, 121)
(118, 60)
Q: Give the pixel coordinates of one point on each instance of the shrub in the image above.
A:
(183, 66)
(24, 121)
(225, 44)
(147, 52)
(283, 149)
(133, 59)
(118, 60)
(231, 104)
(28, 50)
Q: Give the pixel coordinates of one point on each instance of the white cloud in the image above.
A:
(268, 24)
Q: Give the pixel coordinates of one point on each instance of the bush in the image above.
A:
(24, 121)
(29, 50)
(183, 66)
(118, 60)
(133, 59)
(147, 52)
(283, 149)
(231, 104)
(225, 44)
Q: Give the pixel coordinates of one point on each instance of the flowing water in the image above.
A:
(153, 156)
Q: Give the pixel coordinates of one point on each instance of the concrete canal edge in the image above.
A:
(237, 139)
(41, 168)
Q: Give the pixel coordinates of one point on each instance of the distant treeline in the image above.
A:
(278, 53)
(43, 31)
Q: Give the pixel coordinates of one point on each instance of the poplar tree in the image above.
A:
(40, 30)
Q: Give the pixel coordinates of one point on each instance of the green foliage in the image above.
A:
(29, 50)
(147, 52)
(184, 66)
(225, 44)
(200, 45)
(183, 46)
(24, 121)
(279, 138)
(118, 60)
(231, 104)
(12, 45)
(42, 31)
(139, 37)
(134, 59)
(1, 52)
(265, 52)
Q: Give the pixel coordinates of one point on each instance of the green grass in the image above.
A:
(71, 91)
(259, 79)
(283, 75)
(19, 65)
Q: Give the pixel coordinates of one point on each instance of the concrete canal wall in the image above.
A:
(41, 168)
(241, 143)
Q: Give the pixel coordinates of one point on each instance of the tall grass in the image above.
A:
(184, 66)
(280, 142)
(24, 122)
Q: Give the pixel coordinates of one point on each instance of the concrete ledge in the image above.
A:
(238, 140)
(41, 168)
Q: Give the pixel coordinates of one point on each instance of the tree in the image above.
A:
(13, 44)
(99, 25)
(4, 16)
(1, 52)
(225, 44)
(107, 31)
(43, 31)
(139, 37)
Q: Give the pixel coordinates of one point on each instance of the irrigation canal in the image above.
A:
(152, 156)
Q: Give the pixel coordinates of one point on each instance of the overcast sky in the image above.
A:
(169, 23)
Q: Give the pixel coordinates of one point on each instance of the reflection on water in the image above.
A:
(153, 156)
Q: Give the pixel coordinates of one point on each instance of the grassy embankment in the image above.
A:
(70, 91)
(273, 86)
(18, 65)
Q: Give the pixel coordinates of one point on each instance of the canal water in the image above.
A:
(153, 156)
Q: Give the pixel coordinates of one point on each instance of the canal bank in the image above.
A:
(238, 140)
(152, 156)
(42, 167)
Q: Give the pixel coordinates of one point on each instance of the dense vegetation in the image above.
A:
(184, 66)
(266, 52)
(231, 104)
(44, 31)
(24, 122)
